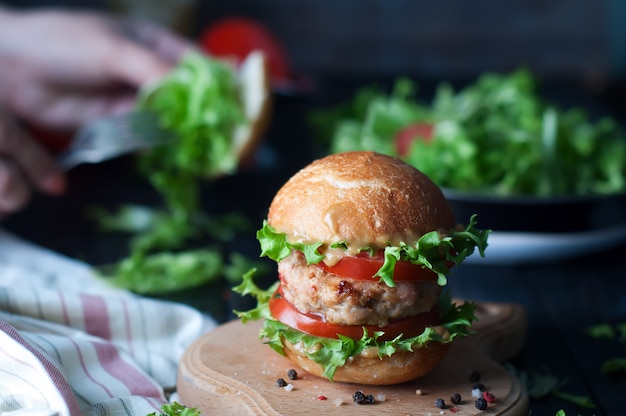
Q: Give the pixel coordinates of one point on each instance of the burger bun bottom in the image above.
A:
(372, 370)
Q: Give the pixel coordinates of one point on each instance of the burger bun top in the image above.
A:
(364, 199)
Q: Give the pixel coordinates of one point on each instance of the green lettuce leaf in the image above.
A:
(612, 366)
(334, 353)
(199, 101)
(432, 250)
(166, 272)
(541, 384)
(167, 255)
(275, 246)
(262, 296)
(176, 409)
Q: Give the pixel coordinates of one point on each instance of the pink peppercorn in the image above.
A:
(489, 397)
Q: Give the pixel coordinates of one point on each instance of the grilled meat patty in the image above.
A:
(345, 301)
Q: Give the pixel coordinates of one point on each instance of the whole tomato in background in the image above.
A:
(235, 37)
(405, 137)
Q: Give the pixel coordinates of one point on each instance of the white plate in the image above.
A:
(513, 248)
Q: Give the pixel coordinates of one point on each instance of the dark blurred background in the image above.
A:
(580, 40)
(577, 39)
(575, 43)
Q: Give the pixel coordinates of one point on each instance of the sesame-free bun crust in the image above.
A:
(372, 370)
(254, 80)
(362, 198)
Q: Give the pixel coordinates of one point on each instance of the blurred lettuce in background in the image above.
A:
(176, 247)
(496, 136)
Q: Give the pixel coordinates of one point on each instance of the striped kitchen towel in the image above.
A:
(71, 345)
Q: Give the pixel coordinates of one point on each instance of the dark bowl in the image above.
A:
(540, 214)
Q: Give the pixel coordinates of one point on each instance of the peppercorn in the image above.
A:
(440, 403)
(360, 398)
(281, 382)
(455, 398)
(481, 404)
(475, 376)
(489, 397)
(292, 374)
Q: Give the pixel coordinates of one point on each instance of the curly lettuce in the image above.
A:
(176, 409)
(200, 102)
(432, 251)
(332, 353)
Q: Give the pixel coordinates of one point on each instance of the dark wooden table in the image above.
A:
(563, 297)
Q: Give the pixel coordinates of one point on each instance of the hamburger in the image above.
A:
(364, 244)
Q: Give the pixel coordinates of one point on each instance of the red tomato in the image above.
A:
(310, 324)
(405, 137)
(236, 37)
(364, 267)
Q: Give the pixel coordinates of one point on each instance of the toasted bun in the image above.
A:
(397, 368)
(362, 198)
(254, 80)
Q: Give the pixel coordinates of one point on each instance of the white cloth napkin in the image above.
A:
(71, 345)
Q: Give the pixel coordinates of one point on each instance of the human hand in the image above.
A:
(60, 69)
(24, 164)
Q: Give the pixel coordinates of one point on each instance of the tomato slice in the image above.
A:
(311, 324)
(364, 267)
(407, 135)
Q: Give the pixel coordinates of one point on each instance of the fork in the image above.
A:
(113, 136)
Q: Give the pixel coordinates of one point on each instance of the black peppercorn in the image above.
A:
(481, 404)
(455, 398)
(440, 403)
(292, 374)
(360, 398)
(281, 382)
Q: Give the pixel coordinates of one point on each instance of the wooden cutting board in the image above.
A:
(230, 372)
